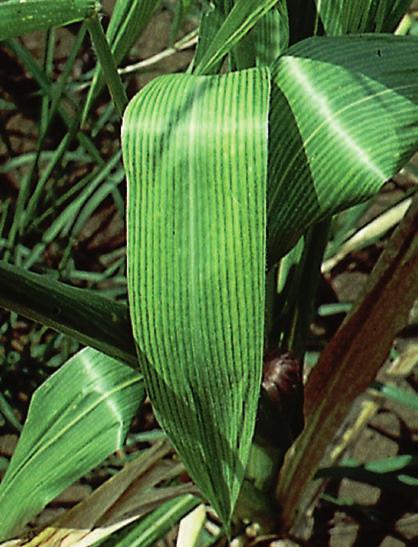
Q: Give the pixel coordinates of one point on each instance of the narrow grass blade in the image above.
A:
(62, 149)
(107, 65)
(195, 152)
(324, 90)
(76, 419)
(48, 68)
(80, 313)
(6, 410)
(20, 17)
(268, 39)
(44, 83)
(128, 21)
(242, 18)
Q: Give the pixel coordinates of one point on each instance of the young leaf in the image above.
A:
(211, 22)
(350, 109)
(271, 35)
(21, 16)
(195, 152)
(76, 419)
(241, 19)
(268, 39)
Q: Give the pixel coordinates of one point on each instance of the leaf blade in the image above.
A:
(76, 418)
(325, 90)
(17, 17)
(240, 20)
(76, 312)
(200, 263)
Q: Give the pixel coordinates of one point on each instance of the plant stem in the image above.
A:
(108, 65)
(307, 285)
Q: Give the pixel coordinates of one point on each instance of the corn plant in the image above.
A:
(289, 113)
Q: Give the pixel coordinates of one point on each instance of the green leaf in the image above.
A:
(195, 152)
(129, 19)
(225, 6)
(107, 64)
(271, 35)
(338, 17)
(357, 16)
(22, 16)
(268, 39)
(396, 474)
(337, 97)
(211, 22)
(76, 419)
(402, 396)
(180, 13)
(241, 19)
(85, 315)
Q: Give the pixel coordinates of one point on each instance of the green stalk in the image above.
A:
(48, 66)
(108, 66)
(305, 289)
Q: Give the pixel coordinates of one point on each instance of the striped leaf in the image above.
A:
(268, 39)
(349, 106)
(224, 5)
(337, 17)
(76, 419)
(22, 16)
(195, 152)
(240, 20)
(357, 16)
(211, 22)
